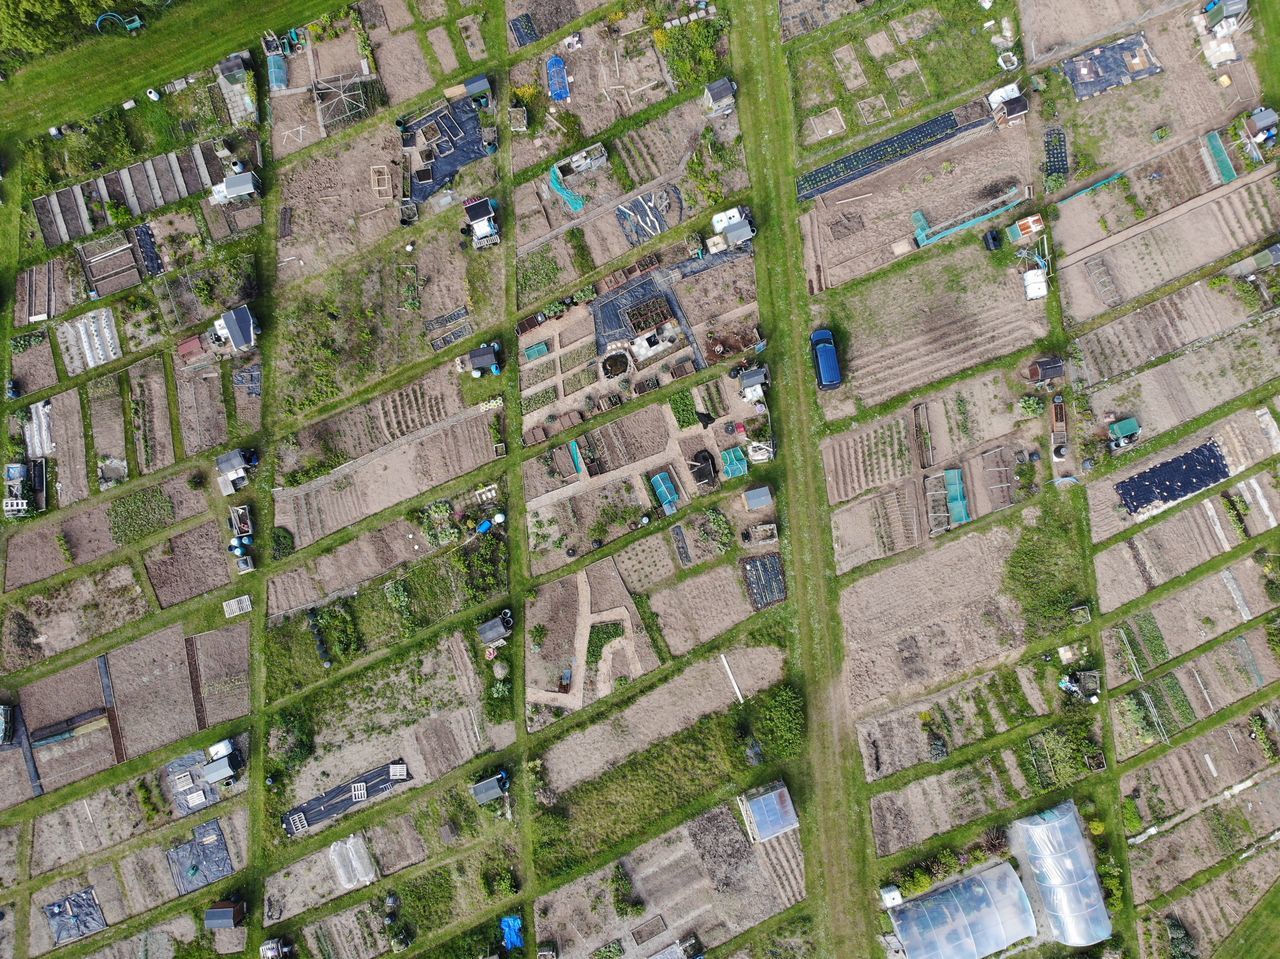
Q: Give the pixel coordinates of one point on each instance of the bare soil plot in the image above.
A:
(154, 700)
(1245, 438)
(616, 72)
(430, 400)
(702, 607)
(1196, 381)
(936, 804)
(33, 367)
(1188, 618)
(850, 232)
(106, 887)
(645, 563)
(354, 933)
(34, 553)
(221, 661)
(700, 690)
(92, 823)
(919, 623)
(425, 709)
(442, 47)
(389, 475)
(294, 122)
(880, 525)
(403, 301)
(106, 418)
(46, 624)
(9, 837)
(1156, 555)
(704, 877)
(472, 40)
(69, 448)
(334, 210)
(596, 603)
(248, 403)
(1167, 859)
(932, 727)
(1053, 30)
(189, 564)
(1114, 130)
(402, 68)
(367, 557)
(309, 882)
(202, 411)
(88, 535)
(1213, 911)
(1163, 248)
(1195, 312)
(1161, 183)
(162, 941)
(1194, 772)
(15, 786)
(152, 431)
(942, 314)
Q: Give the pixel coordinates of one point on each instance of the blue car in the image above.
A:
(826, 361)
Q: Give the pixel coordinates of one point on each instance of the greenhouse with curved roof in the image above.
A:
(974, 917)
(1059, 859)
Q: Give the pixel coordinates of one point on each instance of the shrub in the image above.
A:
(685, 412)
(600, 636)
(281, 542)
(625, 902)
(1132, 816)
(1181, 943)
(1097, 827)
(778, 722)
(1044, 573)
(139, 515)
(1031, 406)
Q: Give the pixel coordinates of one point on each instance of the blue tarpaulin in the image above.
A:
(512, 936)
(557, 79)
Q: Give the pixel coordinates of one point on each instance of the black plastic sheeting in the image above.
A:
(877, 156)
(76, 916)
(462, 143)
(202, 860)
(1175, 479)
(766, 584)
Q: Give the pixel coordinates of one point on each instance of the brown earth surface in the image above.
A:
(152, 431)
(153, 695)
(702, 689)
(72, 614)
(700, 608)
(189, 564)
(920, 623)
(201, 409)
(68, 440)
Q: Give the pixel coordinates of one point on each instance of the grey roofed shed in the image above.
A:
(1061, 863)
(973, 917)
(487, 790)
(493, 630)
(758, 497)
(218, 770)
(736, 234)
(240, 327)
(483, 357)
(757, 377)
(231, 461)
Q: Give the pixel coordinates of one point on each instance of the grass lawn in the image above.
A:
(88, 77)
(1267, 56)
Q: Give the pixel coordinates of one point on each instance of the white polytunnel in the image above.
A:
(974, 917)
(1059, 860)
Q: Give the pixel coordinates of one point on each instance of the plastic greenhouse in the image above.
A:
(1057, 855)
(979, 915)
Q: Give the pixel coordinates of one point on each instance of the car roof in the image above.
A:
(821, 336)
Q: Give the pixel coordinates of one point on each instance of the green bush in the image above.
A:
(1045, 573)
(281, 542)
(1132, 816)
(600, 636)
(685, 412)
(625, 903)
(778, 721)
(427, 901)
(337, 624)
(139, 515)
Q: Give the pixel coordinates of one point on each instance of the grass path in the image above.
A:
(89, 77)
(837, 840)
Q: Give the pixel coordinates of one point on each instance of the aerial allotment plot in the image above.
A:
(640, 479)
